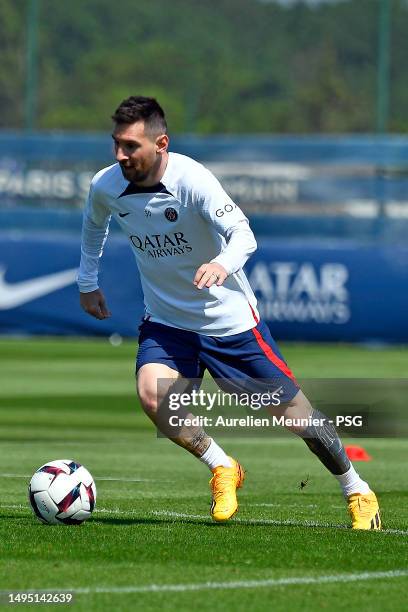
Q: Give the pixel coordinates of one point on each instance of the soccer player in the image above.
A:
(191, 242)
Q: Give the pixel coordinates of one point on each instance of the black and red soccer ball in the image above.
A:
(62, 492)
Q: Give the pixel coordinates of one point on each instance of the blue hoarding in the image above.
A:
(306, 289)
(358, 176)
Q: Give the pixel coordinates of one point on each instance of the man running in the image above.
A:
(191, 242)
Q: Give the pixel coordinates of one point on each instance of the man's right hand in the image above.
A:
(94, 304)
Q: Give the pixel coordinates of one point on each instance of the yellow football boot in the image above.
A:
(364, 511)
(223, 484)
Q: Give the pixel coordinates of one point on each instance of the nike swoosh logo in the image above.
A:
(17, 294)
(123, 214)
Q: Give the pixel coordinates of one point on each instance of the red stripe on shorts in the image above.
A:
(272, 356)
(253, 314)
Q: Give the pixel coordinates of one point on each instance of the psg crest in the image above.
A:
(171, 214)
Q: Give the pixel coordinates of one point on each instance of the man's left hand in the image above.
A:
(210, 274)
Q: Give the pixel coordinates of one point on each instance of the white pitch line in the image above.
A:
(108, 478)
(237, 584)
(102, 478)
(14, 506)
(266, 521)
(267, 505)
(114, 511)
(96, 511)
(300, 505)
(206, 518)
(193, 516)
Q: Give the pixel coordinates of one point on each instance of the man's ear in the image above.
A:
(162, 142)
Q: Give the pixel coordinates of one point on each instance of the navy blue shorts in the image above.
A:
(246, 362)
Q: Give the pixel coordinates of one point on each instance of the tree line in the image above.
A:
(217, 66)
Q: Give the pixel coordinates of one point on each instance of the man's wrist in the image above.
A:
(220, 261)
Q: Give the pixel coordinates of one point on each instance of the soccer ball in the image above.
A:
(62, 492)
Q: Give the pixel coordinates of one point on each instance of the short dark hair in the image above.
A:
(140, 108)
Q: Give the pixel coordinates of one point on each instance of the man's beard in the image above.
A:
(133, 175)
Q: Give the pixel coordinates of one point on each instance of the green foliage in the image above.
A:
(216, 66)
(12, 49)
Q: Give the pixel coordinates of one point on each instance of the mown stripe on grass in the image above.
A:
(240, 584)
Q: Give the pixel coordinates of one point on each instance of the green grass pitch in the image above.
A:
(286, 548)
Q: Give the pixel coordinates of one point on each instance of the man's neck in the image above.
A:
(156, 173)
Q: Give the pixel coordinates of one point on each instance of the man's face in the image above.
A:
(136, 152)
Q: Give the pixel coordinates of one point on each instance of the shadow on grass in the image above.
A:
(151, 521)
(26, 519)
(207, 523)
(167, 521)
(18, 517)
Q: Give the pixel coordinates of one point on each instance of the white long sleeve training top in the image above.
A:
(173, 228)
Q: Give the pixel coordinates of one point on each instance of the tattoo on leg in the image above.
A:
(324, 442)
(197, 444)
(194, 439)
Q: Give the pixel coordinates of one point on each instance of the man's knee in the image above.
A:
(153, 384)
(148, 398)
